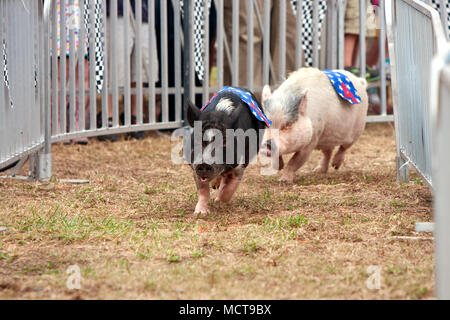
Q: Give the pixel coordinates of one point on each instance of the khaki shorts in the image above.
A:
(119, 64)
(351, 25)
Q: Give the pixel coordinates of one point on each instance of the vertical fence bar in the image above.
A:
(72, 61)
(138, 61)
(62, 67)
(266, 41)
(282, 62)
(441, 179)
(220, 42)
(235, 45)
(332, 34)
(401, 165)
(206, 51)
(81, 71)
(164, 62)
(92, 84)
(45, 159)
(188, 83)
(3, 120)
(177, 35)
(127, 62)
(105, 88)
(362, 37)
(3, 153)
(55, 111)
(382, 41)
(151, 76)
(250, 48)
(315, 31)
(113, 57)
(299, 38)
(341, 15)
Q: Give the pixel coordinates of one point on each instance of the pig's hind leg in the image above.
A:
(338, 158)
(323, 165)
(229, 185)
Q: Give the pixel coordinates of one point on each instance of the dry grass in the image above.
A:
(132, 231)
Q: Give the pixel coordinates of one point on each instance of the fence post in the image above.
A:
(44, 162)
(440, 113)
(402, 166)
(187, 57)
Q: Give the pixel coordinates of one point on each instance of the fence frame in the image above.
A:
(440, 93)
(403, 160)
(31, 138)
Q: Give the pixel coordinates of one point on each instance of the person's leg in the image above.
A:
(147, 66)
(243, 31)
(351, 29)
(350, 49)
(291, 40)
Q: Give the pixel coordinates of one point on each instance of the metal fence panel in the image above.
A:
(415, 37)
(21, 127)
(111, 101)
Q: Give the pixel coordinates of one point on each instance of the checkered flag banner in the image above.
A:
(5, 73)
(99, 45)
(199, 35)
(307, 27)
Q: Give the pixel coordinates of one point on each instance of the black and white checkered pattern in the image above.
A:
(199, 35)
(99, 43)
(5, 73)
(307, 28)
(436, 4)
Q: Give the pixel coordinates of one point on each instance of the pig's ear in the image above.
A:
(193, 113)
(302, 101)
(266, 93)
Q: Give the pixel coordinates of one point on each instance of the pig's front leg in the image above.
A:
(298, 159)
(229, 184)
(203, 196)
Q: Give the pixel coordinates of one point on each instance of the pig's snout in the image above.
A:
(204, 171)
(267, 146)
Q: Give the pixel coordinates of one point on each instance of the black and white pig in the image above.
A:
(308, 114)
(226, 137)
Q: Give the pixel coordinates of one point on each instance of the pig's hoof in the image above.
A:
(338, 160)
(320, 169)
(201, 210)
(337, 164)
(286, 179)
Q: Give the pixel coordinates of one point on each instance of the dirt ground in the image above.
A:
(132, 231)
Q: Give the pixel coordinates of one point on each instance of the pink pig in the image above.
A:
(307, 114)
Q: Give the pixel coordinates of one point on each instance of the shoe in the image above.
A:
(109, 137)
(372, 74)
(80, 141)
(138, 135)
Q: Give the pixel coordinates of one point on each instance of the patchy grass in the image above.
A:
(132, 232)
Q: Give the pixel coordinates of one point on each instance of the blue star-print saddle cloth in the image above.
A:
(248, 99)
(343, 86)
